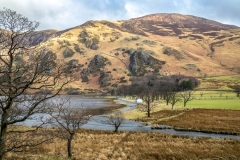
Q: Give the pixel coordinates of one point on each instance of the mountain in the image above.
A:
(105, 54)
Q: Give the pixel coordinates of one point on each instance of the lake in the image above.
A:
(100, 106)
(96, 105)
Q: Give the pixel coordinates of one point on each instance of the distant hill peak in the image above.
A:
(181, 19)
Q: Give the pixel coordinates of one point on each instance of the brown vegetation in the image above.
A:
(206, 120)
(165, 44)
(134, 146)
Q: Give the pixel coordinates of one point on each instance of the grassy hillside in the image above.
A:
(218, 82)
(186, 44)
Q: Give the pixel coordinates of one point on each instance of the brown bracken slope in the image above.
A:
(107, 52)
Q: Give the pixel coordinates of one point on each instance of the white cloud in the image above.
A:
(134, 10)
(55, 14)
(63, 14)
(187, 4)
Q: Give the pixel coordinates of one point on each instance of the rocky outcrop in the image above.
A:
(172, 52)
(89, 39)
(41, 36)
(142, 62)
(98, 60)
(73, 65)
(105, 79)
(98, 63)
(85, 72)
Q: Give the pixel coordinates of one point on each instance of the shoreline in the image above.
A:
(121, 101)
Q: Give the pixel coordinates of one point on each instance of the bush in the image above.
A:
(78, 49)
(67, 43)
(90, 40)
(85, 79)
(68, 52)
(123, 80)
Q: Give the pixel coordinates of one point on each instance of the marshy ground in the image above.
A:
(204, 120)
(106, 145)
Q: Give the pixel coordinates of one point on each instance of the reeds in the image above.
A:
(207, 120)
(105, 145)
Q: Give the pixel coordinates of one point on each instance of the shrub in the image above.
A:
(90, 40)
(78, 49)
(67, 43)
(68, 52)
(85, 79)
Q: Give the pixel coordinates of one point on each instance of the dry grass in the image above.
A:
(207, 120)
(193, 52)
(218, 82)
(133, 145)
(161, 115)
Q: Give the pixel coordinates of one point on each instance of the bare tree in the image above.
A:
(29, 77)
(147, 107)
(174, 99)
(187, 96)
(167, 91)
(68, 120)
(115, 119)
(149, 96)
(236, 89)
(167, 96)
(146, 88)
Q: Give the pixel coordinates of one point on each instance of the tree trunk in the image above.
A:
(172, 106)
(69, 146)
(2, 141)
(148, 109)
(185, 103)
(116, 129)
(3, 135)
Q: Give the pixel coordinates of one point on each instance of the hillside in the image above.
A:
(107, 53)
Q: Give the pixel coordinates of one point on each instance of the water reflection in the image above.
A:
(96, 106)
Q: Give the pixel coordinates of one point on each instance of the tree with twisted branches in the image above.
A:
(68, 119)
(115, 119)
(29, 77)
(186, 96)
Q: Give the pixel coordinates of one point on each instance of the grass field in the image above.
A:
(134, 146)
(215, 95)
(204, 103)
(214, 100)
(218, 82)
(213, 104)
(207, 120)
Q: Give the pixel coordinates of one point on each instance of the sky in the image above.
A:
(64, 14)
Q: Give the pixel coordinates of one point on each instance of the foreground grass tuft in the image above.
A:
(135, 146)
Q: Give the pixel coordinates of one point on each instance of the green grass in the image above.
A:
(214, 100)
(214, 104)
(219, 82)
(209, 100)
(215, 95)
